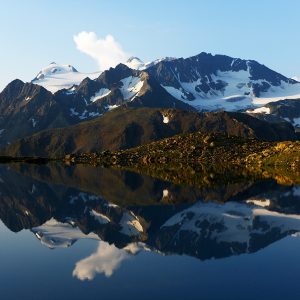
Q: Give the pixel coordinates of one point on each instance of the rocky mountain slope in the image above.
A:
(205, 81)
(202, 82)
(125, 128)
(27, 108)
(218, 81)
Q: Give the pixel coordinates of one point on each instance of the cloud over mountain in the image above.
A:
(107, 52)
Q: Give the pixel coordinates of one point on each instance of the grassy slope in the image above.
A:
(127, 128)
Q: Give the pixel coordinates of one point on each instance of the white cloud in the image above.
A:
(105, 260)
(107, 51)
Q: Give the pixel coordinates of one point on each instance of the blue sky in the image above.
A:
(35, 33)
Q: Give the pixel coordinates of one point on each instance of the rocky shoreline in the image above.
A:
(195, 157)
(213, 154)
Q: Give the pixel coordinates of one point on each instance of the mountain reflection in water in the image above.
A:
(127, 213)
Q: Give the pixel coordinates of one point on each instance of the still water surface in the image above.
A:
(93, 233)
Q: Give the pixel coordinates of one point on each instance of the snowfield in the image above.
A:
(56, 77)
(237, 95)
(137, 64)
(131, 87)
(100, 94)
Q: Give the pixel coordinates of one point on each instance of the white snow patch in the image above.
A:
(130, 224)
(165, 193)
(111, 107)
(100, 94)
(33, 121)
(259, 202)
(166, 119)
(71, 90)
(176, 93)
(94, 114)
(260, 110)
(296, 122)
(84, 115)
(131, 87)
(102, 219)
(73, 112)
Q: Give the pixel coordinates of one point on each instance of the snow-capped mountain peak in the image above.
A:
(54, 68)
(55, 77)
(159, 60)
(214, 82)
(135, 63)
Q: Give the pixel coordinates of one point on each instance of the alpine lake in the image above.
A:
(84, 232)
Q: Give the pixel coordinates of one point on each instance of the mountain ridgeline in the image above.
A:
(59, 112)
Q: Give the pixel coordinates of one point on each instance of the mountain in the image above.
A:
(55, 77)
(214, 82)
(27, 108)
(125, 128)
(202, 82)
(217, 82)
